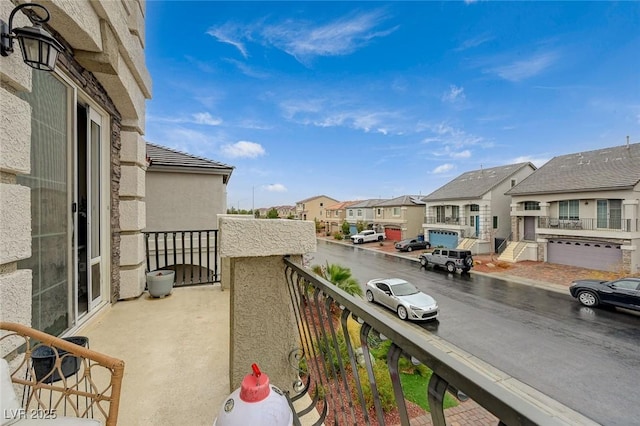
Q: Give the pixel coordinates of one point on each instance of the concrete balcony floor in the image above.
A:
(176, 353)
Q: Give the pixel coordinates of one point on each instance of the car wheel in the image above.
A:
(409, 248)
(588, 298)
(380, 238)
(402, 312)
(369, 296)
(360, 241)
(451, 267)
(468, 261)
(423, 262)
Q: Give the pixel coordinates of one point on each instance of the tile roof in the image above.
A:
(609, 168)
(341, 205)
(306, 200)
(476, 183)
(403, 200)
(367, 203)
(163, 157)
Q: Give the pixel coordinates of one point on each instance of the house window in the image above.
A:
(321, 204)
(359, 212)
(439, 214)
(396, 211)
(569, 210)
(474, 208)
(495, 222)
(609, 213)
(513, 182)
(455, 214)
(350, 213)
(379, 212)
(337, 213)
(532, 205)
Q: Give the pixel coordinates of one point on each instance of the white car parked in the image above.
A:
(403, 298)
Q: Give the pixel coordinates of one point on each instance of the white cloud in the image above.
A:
(232, 34)
(206, 118)
(474, 42)
(462, 154)
(537, 161)
(443, 168)
(455, 94)
(243, 149)
(276, 187)
(451, 136)
(525, 68)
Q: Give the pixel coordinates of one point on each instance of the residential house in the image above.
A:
(313, 208)
(474, 207)
(581, 209)
(335, 215)
(184, 192)
(361, 212)
(72, 160)
(400, 217)
(286, 212)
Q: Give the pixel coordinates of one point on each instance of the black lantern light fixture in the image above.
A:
(39, 48)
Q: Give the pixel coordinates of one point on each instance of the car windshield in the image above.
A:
(404, 289)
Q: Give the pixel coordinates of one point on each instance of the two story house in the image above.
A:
(313, 208)
(581, 209)
(336, 214)
(363, 212)
(400, 217)
(472, 210)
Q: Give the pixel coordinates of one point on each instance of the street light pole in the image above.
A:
(253, 200)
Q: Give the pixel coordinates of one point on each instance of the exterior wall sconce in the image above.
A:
(39, 48)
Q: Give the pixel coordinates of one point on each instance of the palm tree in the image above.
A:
(340, 276)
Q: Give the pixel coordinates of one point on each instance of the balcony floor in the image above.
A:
(176, 353)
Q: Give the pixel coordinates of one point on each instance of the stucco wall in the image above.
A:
(263, 327)
(184, 201)
(104, 56)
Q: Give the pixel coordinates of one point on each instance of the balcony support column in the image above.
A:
(263, 326)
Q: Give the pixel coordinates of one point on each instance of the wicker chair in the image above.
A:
(57, 378)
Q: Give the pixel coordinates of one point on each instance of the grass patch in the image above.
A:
(415, 390)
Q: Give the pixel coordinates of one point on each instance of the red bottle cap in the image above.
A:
(255, 386)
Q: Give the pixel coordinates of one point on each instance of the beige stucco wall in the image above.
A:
(107, 38)
(184, 201)
(315, 208)
(263, 329)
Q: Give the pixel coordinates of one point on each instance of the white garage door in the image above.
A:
(592, 255)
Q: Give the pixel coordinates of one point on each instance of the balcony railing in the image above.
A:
(462, 221)
(192, 254)
(589, 224)
(338, 385)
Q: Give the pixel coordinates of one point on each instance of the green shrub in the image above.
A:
(338, 236)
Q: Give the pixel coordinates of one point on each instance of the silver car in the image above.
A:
(403, 297)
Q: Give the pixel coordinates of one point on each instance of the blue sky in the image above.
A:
(360, 100)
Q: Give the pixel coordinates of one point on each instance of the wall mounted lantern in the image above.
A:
(39, 48)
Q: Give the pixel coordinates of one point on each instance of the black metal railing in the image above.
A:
(589, 224)
(461, 221)
(192, 254)
(503, 244)
(338, 386)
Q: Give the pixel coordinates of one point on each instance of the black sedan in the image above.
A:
(624, 292)
(412, 244)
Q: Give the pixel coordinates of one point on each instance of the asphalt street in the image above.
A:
(588, 359)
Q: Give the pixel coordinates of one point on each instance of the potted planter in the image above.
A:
(160, 282)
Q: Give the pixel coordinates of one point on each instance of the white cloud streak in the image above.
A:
(207, 119)
(454, 95)
(243, 149)
(303, 39)
(525, 68)
(444, 168)
(276, 187)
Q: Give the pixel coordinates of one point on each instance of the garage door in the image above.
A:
(393, 234)
(592, 255)
(446, 239)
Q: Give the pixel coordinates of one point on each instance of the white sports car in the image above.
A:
(403, 298)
